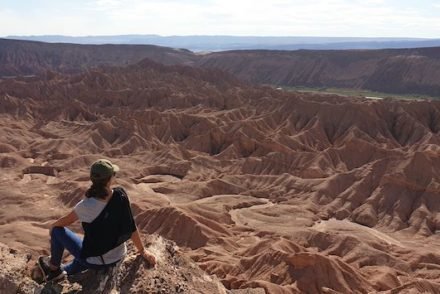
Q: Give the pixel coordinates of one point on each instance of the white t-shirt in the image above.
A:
(87, 210)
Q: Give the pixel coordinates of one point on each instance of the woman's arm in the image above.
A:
(135, 237)
(64, 221)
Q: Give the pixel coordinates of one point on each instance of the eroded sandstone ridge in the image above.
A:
(293, 193)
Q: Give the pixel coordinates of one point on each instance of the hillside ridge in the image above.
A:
(398, 71)
(261, 188)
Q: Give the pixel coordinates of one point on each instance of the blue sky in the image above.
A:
(344, 18)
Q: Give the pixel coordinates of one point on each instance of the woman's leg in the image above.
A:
(74, 267)
(63, 238)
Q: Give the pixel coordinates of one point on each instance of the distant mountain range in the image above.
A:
(222, 43)
(403, 71)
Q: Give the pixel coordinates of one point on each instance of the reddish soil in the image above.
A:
(293, 193)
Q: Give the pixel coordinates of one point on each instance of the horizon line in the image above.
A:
(204, 35)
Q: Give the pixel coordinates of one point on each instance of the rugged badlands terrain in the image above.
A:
(292, 193)
(406, 71)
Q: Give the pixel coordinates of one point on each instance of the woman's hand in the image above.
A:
(150, 258)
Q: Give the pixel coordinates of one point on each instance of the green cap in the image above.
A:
(102, 169)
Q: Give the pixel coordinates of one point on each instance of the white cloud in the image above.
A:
(45, 22)
(233, 17)
(7, 19)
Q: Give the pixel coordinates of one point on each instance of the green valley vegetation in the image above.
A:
(358, 93)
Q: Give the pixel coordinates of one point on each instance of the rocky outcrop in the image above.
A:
(13, 272)
(174, 273)
(44, 170)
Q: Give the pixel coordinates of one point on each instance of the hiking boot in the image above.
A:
(48, 273)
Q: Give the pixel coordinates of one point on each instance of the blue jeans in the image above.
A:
(63, 238)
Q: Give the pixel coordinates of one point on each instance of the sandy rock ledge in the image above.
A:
(174, 273)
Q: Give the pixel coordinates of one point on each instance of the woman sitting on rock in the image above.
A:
(107, 221)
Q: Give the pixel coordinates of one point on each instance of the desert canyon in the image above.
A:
(262, 189)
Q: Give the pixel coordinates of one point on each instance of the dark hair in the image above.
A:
(98, 189)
